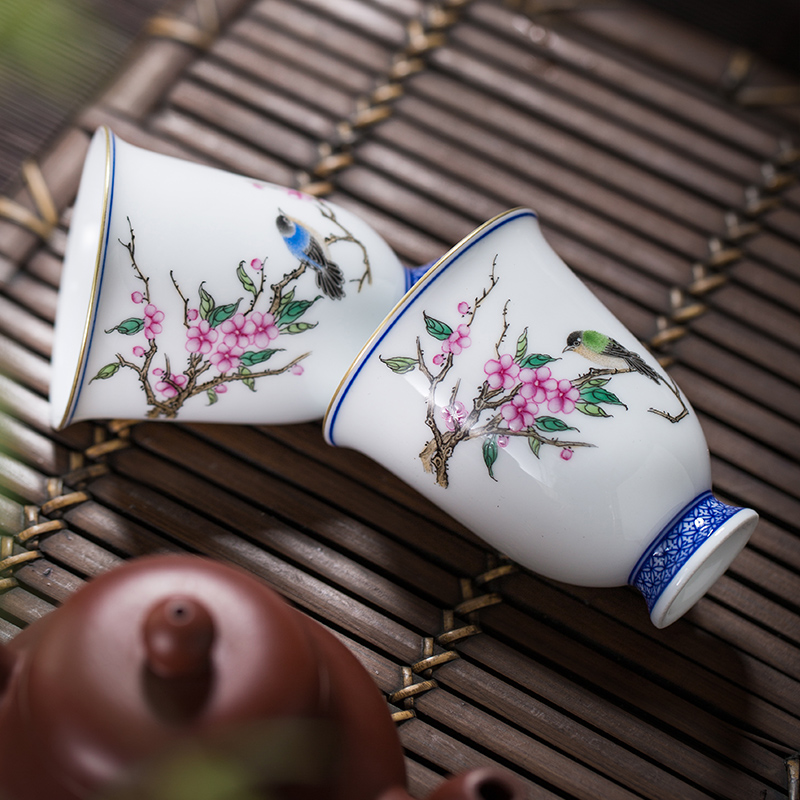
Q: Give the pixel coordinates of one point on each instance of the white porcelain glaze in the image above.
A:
(485, 390)
(184, 297)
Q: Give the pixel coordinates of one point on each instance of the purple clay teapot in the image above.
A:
(173, 672)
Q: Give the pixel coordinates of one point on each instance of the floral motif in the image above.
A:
(200, 338)
(520, 395)
(501, 372)
(225, 342)
(152, 321)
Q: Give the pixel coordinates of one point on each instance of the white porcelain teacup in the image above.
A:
(502, 389)
(191, 293)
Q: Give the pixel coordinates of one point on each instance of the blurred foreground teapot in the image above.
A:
(178, 677)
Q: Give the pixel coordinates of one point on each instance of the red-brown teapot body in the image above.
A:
(179, 662)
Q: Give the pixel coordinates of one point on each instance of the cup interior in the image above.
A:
(81, 277)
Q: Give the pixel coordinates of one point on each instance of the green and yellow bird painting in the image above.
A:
(608, 353)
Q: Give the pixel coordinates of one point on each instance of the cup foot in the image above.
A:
(690, 555)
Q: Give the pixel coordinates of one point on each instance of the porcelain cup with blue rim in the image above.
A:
(190, 293)
(504, 391)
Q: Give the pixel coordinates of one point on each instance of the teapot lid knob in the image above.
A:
(178, 636)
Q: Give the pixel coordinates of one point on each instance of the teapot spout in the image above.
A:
(485, 783)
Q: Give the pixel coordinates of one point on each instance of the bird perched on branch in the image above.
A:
(309, 248)
(608, 353)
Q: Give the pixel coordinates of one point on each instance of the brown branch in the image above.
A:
(237, 376)
(669, 383)
(505, 328)
(277, 288)
(184, 299)
(131, 248)
(673, 387)
(330, 215)
(492, 428)
(260, 290)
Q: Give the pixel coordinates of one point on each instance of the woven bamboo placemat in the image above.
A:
(663, 167)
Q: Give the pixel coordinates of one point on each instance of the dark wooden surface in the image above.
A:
(54, 57)
(679, 207)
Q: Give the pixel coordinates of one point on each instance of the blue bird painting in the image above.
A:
(309, 248)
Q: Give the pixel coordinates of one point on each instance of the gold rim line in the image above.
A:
(406, 299)
(87, 325)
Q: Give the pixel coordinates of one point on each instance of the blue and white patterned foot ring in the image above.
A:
(689, 555)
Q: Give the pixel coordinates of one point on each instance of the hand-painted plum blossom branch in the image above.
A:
(519, 397)
(225, 342)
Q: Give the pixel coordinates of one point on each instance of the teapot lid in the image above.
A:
(155, 648)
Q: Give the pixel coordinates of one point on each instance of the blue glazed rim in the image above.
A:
(430, 276)
(97, 280)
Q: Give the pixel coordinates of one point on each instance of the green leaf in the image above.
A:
(536, 360)
(129, 326)
(207, 304)
(590, 409)
(295, 309)
(490, 452)
(597, 382)
(522, 346)
(221, 313)
(535, 445)
(597, 395)
(439, 330)
(212, 397)
(552, 424)
(245, 279)
(400, 364)
(299, 327)
(250, 383)
(107, 371)
(252, 357)
(285, 300)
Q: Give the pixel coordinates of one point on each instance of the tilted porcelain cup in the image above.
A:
(503, 390)
(192, 293)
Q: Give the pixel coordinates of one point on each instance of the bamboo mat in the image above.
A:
(664, 175)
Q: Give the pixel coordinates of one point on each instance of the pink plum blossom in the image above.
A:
(537, 384)
(152, 321)
(192, 314)
(438, 359)
(264, 328)
(519, 413)
(502, 441)
(463, 308)
(201, 337)
(297, 369)
(563, 397)
(171, 384)
(457, 341)
(220, 388)
(225, 357)
(138, 351)
(137, 297)
(454, 415)
(237, 331)
(501, 373)
(257, 264)
(567, 453)
(158, 371)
